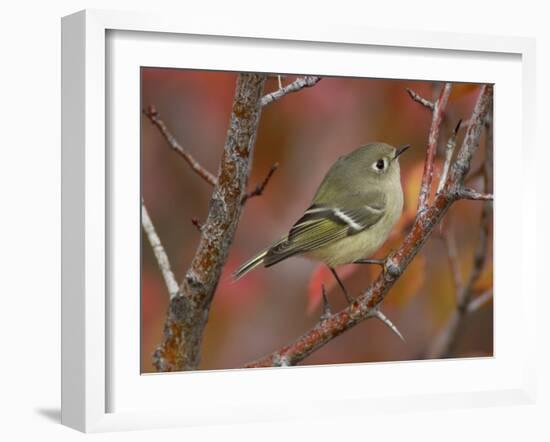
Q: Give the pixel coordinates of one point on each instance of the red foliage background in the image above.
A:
(304, 132)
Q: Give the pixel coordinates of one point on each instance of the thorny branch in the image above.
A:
(447, 338)
(427, 218)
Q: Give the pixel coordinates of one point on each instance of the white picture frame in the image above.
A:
(87, 356)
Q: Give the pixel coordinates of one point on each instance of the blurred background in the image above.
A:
(305, 133)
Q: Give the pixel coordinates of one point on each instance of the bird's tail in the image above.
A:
(249, 265)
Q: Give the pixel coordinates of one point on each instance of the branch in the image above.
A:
(362, 308)
(188, 312)
(295, 86)
(454, 264)
(479, 301)
(446, 341)
(470, 194)
(419, 99)
(260, 187)
(160, 253)
(437, 118)
(152, 114)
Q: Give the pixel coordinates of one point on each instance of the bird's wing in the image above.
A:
(323, 224)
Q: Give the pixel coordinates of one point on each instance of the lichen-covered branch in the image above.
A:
(188, 311)
(427, 219)
(295, 86)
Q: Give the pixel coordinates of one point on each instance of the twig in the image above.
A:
(295, 86)
(449, 149)
(153, 115)
(188, 312)
(260, 187)
(160, 253)
(454, 264)
(470, 194)
(419, 99)
(363, 306)
(479, 301)
(433, 137)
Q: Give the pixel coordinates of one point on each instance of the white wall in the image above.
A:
(30, 223)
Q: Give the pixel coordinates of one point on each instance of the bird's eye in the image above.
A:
(380, 164)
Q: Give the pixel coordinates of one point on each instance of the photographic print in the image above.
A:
(298, 219)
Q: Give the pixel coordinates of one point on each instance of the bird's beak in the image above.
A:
(400, 150)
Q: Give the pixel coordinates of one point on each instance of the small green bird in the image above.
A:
(351, 215)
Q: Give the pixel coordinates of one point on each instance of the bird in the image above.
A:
(351, 215)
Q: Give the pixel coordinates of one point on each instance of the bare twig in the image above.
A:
(433, 137)
(454, 263)
(153, 115)
(470, 194)
(260, 187)
(160, 253)
(419, 99)
(449, 149)
(480, 300)
(295, 86)
(188, 312)
(363, 306)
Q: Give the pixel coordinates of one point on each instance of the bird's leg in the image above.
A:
(380, 262)
(348, 298)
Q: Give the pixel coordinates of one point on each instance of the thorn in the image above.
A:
(457, 128)
(378, 314)
(197, 224)
(327, 312)
(151, 111)
(380, 262)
